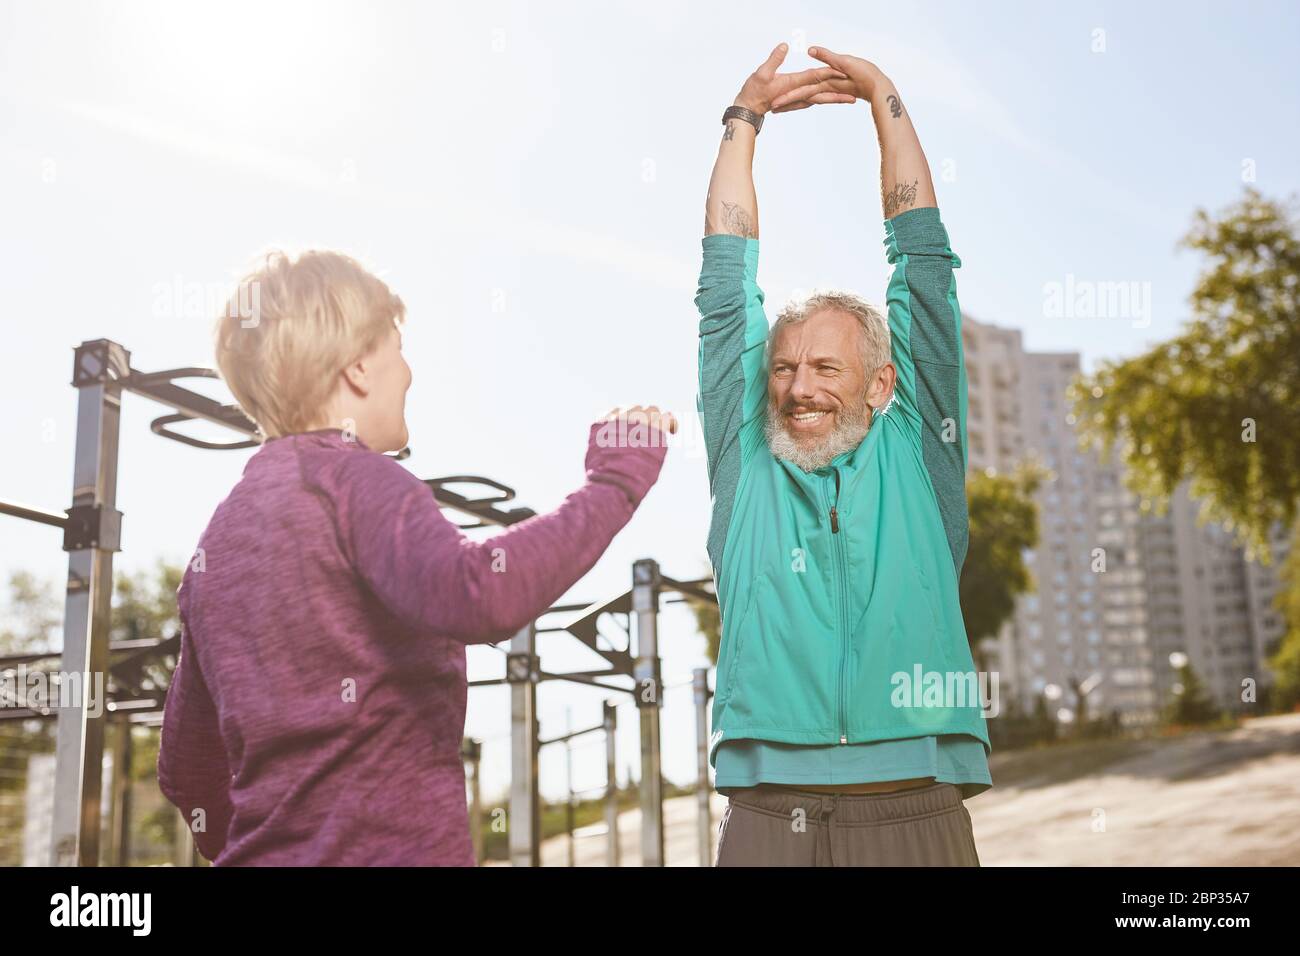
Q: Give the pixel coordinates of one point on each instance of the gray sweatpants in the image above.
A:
(773, 826)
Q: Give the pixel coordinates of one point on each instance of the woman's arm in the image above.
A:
(437, 580)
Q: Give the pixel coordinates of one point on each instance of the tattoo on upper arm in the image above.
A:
(730, 131)
(895, 107)
(900, 198)
(737, 221)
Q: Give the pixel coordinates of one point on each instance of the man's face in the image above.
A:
(816, 375)
(819, 393)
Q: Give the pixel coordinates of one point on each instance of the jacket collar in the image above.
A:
(284, 446)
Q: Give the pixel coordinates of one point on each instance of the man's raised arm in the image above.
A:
(924, 316)
(733, 326)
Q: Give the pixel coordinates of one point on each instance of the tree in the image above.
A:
(1285, 664)
(709, 621)
(1219, 405)
(1191, 703)
(1003, 525)
(34, 616)
(144, 603)
(32, 620)
(144, 606)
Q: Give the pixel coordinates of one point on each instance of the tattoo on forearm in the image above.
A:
(900, 198)
(895, 107)
(730, 131)
(737, 221)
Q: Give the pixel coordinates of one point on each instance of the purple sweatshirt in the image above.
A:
(316, 712)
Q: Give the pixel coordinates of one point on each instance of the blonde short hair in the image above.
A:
(291, 326)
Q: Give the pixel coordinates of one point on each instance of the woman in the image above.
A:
(317, 708)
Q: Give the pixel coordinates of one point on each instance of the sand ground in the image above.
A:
(1207, 798)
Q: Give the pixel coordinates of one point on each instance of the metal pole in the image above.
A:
(645, 671)
(525, 811)
(700, 683)
(472, 751)
(122, 754)
(90, 541)
(612, 855)
(185, 848)
(568, 776)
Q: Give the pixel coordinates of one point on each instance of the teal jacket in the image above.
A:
(838, 588)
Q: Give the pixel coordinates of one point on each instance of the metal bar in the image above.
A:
(610, 721)
(700, 683)
(25, 713)
(28, 513)
(140, 380)
(159, 427)
(525, 806)
(184, 852)
(561, 609)
(472, 751)
(141, 643)
(576, 677)
(160, 387)
(79, 751)
(568, 786)
(583, 626)
(695, 589)
(485, 509)
(580, 679)
(123, 753)
(645, 604)
(146, 705)
(572, 734)
(142, 705)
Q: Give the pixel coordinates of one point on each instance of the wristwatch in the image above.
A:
(749, 116)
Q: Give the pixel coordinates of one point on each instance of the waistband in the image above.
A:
(852, 809)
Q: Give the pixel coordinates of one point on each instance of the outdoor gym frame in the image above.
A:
(92, 534)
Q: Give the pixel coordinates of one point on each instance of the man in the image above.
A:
(847, 724)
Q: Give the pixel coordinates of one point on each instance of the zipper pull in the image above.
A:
(835, 518)
(843, 739)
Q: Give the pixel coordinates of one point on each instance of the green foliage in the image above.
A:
(1191, 704)
(1003, 525)
(1285, 692)
(709, 621)
(33, 616)
(1218, 405)
(144, 604)
(1015, 728)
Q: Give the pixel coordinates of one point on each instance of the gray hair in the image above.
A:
(874, 325)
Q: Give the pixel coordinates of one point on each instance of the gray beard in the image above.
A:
(851, 426)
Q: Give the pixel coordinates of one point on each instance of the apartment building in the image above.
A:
(1120, 588)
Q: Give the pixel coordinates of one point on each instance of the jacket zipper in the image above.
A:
(838, 546)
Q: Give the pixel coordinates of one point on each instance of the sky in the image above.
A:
(530, 178)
